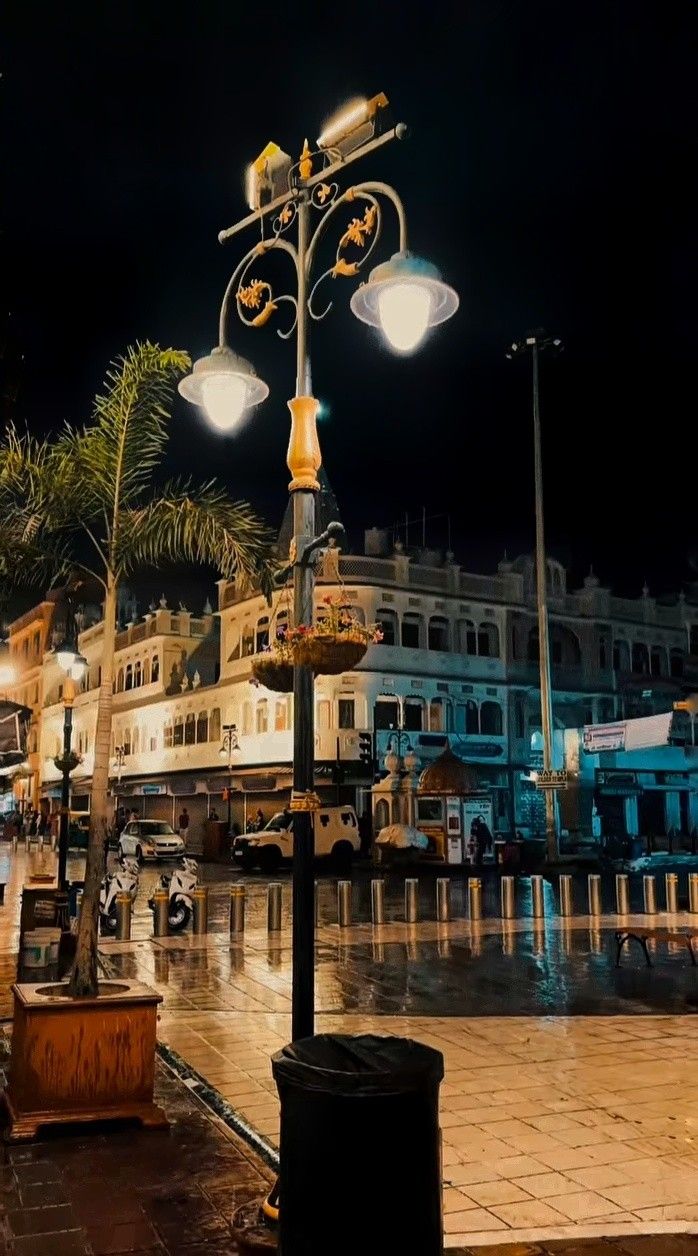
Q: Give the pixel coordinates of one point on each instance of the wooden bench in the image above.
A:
(643, 936)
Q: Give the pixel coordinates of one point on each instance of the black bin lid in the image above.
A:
(358, 1064)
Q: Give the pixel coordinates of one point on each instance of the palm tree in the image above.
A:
(93, 487)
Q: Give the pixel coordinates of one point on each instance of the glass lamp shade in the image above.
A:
(71, 662)
(224, 385)
(404, 298)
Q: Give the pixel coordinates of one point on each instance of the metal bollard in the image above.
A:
(594, 893)
(274, 907)
(54, 841)
(123, 916)
(508, 898)
(508, 937)
(566, 903)
(649, 894)
(693, 891)
(671, 882)
(622, 894)
(475, 898)
(344, 904)
(377, 902)
(537, 898)
(411, 900)
(200, 901)
(14, 844)
(443, 899)
(237, 910)
(27, 844)
(161, 920)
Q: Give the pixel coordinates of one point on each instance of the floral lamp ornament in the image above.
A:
(335, 644)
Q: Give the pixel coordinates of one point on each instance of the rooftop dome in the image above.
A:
(448, 775)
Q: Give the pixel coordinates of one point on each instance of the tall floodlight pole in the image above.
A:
(534, 344)
(293, 203)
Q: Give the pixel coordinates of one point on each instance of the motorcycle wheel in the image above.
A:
(107, 924)
(179, 915)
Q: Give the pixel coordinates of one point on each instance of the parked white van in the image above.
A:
(336, 834)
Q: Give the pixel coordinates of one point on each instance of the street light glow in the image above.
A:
(404, 298)
(224, 385)
(224, 399)
(354, 123)
(404, 310)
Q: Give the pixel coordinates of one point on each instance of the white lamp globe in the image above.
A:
(404, 298)
(224, 385)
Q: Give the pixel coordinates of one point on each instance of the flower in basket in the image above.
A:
(68, 762)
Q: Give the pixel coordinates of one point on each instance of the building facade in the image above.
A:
(457, 666)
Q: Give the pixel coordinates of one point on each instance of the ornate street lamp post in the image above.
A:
(73, 664)
(230, 744)
(404, 297)
(535, 344)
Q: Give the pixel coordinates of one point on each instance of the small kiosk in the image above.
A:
(446, 803)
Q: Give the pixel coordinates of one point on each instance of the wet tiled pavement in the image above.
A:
(129, 1191)
(563, 1128)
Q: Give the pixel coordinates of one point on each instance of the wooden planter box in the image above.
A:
(82, 1059)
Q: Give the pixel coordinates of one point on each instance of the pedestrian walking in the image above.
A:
(183, 824)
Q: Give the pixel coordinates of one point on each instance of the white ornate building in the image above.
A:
(457, 666)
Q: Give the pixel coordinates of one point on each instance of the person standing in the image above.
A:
(184, 824)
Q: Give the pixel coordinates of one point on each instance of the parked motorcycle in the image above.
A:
(180, 886)
(124, 879)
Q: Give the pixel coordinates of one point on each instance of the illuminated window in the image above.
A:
(128, 682)
(281, 715)
(437, 716)
(472, 717)
(262, 716)
(202, 726)
(137, 674)
(146, 671)
(120, 680)
(190, 729)
(413, 715)
(411, 631)
(247, 640)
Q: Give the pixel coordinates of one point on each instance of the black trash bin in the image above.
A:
(360, 1146)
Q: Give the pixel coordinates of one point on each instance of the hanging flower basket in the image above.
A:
(328, 655)
(273, 672)
(336, 644)
(67, 763)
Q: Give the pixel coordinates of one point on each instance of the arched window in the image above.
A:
(621, 655)
(323, 715)
(488, 641)
(155, 672)
(167, 737)
(247, 640)
(413, 715)
(676, 663)
(438, 634)
(437, 716)
(202, 726)
(262, 716)
(641, 659)
(126, 741)
(603, 652)
(386, 713)
(658, 661)
(137, 674)
(120, 680)
(128, 680)
(281, 715)
(491, 719)
(467, 636)
(411, 632)
(146, 671)
(214, 725)
(281, 625)
(136, 740)
(262, 634)
(190, 729)
(178, 731)
(472, 718)
(387, 622)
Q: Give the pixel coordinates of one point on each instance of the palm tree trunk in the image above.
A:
(83, 979)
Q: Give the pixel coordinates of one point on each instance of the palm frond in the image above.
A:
(124, 444)
(31, 551)
(197, 524)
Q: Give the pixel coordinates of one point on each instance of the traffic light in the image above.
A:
(366, 750)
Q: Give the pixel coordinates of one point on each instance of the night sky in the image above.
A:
(549, 173)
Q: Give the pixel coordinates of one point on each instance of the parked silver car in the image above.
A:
(150, 839)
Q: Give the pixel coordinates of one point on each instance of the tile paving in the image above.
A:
(556, 1129)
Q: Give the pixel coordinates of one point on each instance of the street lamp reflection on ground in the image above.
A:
(229, 745)
(535, 344)
(404, 298)
(73, 664)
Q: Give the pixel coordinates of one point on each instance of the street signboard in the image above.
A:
(555, 779)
